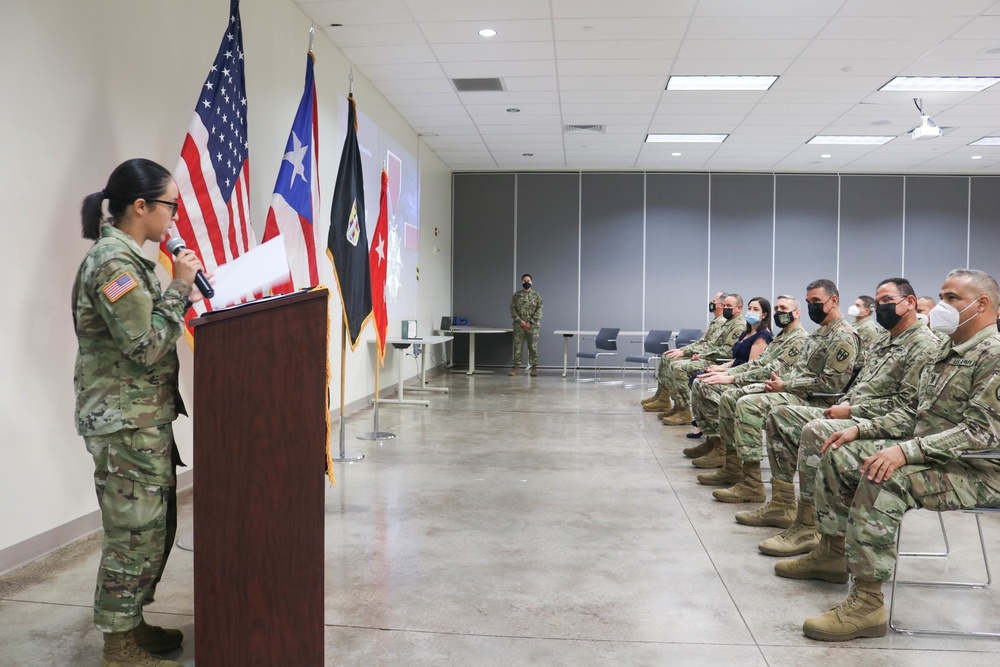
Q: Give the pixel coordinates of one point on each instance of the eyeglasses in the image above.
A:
(172, 204)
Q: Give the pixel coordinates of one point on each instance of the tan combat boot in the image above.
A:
(156, 639)
(660, 404)
(730, 473)
(681, 417)
(655, 397)
(121, 650)
(862, 614)
(715, 458)
(702, 448)
(798, 538)
(515, 371)
(534, 371)
(826, 562)
(780, 512)
(748, 490)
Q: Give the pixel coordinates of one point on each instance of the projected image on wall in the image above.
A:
(403, 246)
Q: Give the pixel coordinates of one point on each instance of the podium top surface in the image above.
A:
(258, 305)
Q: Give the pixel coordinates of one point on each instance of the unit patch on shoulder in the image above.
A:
(842, 354)
(119, 287)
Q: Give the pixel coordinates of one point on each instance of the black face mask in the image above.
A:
(816, 313)
(727, 313)
(711, 307)
(885, 315)
(526, 285)
(783, 319)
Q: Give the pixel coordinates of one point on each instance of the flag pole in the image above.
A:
(343, 381)
(376, 434)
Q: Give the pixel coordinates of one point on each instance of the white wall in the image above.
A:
(85, 85)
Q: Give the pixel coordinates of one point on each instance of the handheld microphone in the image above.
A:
(175, 245)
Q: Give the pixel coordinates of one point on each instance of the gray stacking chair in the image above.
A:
(687, 336)
(605, 345)
(656, 342)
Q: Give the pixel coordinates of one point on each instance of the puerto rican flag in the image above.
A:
(213, 173)
(295, 203)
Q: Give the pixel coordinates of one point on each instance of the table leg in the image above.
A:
(423, 370)
(472, 353)
(399, 386)
(565, 353)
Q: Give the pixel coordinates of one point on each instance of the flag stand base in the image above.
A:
(376, 434)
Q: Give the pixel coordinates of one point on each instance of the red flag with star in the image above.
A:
(377, 260)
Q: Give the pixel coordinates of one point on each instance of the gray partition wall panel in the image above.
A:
(936, 234)
(676, 251)
(742, 227)
(984, 224)
(611, 252)
(548, 232)
(805, 235)
(871, 234)
(483, 261)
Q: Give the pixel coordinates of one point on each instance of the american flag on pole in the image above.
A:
(213, 173)
(295, 203)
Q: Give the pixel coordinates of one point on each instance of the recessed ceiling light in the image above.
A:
(986, 141)
(513, 110)
(977, 157)
(487, 32)
(720, 82)
(676, 154)
(588, 27)
(860, 140)
(528, 154)
(686, 138)
(944, 84)
(825, 155)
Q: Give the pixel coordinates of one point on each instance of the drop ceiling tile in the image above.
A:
(868, 49)
(517, 84)
(485, 69)
(752, 66)
(788, 82)
(652, 67)
(389, 55)
(910, 8)
(958, 49)
(411, 86)
(510, 99)
(570, 9)
(621, 29)
(519, 120)
(491, 52)
(887, 28)
(768, 8)
(619, 97)
(401, 100)
(617, 49)
(742, 27)
(356, 12)
(489, 130)
(608, 119)
(848, 66)
(704, 109)
(714, 98)
(394, 72)
(467, 32)
(834, 97)
(431, 110)
(734, 49)
(476, 10)
(381, 34)
(612, 83)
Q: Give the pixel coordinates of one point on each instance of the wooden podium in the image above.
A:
(260, 420)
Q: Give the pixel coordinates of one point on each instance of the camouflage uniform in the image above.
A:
(126, 398)
(871, 334)
(826, 365)
(782, 352)
(888, 380)
(526, 306)
(957, 410)
(717, 343)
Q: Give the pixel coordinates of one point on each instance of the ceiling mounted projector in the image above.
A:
(927, 129)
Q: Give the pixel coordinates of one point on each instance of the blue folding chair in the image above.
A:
(605, 345)
(657, 342)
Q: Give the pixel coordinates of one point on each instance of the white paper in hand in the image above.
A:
(256, 270)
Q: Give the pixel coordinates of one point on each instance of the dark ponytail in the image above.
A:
(131, 180)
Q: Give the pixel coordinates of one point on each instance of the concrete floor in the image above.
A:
(534, 521)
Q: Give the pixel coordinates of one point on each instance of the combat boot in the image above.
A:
(156, 639)
(730, 473)
(660, 404)
(655, 397)
(515, 371)
(862, 614)
(715, 458)
(780, 512)
(681, 417)
(798, 538)
(534, 371)
(701, 449)
(826, 562)
(121, 650)
(748, 490)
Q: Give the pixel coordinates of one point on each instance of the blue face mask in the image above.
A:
(752, 318)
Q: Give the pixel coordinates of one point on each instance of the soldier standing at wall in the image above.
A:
(526, 312)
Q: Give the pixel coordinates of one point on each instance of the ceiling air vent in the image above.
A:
(477, 85)
(592, 129)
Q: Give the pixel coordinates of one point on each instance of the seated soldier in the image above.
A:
(872, 473)
(826, 366)
(863, 322)
(795, 433)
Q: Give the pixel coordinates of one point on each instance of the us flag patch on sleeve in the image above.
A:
(119, 287)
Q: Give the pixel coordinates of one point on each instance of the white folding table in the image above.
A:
(402, 344)
(472, 331)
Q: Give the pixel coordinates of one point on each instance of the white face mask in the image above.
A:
(946, 318)
(853, 311)
(922, 317)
